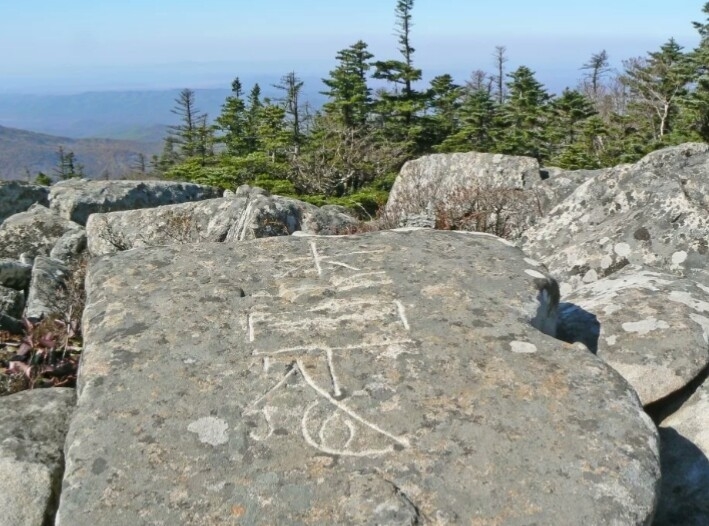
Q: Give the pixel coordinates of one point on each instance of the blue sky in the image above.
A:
(101, 44)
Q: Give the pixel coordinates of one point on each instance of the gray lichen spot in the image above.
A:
(210, 430)
(644, 326)
(523, 347)
(687, 299)
(622, 249)
(703, 321)
(678, 258)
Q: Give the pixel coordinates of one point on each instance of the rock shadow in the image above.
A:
(684, 487)
(576, 324)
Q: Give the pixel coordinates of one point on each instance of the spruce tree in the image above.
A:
(350, 98)
(656, 84)
(399, 107)
(232, 122)
(525, 116)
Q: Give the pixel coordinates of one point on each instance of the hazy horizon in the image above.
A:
(79, 46)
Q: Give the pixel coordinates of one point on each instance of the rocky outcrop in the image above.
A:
(654, 213)
(250, 213)
(76, 200)
(33, 425)
(33, 233)
(685, 468)
(387, 378)
(16, 197)
(481, 188)
(645, 324)
(45, 296)
(12, 302)
(14, 274)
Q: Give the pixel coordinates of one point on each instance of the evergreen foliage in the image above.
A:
(349, 151)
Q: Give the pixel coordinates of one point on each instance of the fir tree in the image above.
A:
(525, 116)
(350, 98)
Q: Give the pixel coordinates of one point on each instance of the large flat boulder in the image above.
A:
(32, 233)
(387, 378)
(17, 196)
(654, 212)
(471, 191)
(78, 199)
(33, 425)
(250, 213)
(652, 327)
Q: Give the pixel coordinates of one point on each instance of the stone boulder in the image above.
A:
(651, 327)
(685, 463)
(32, 233)
(17, 196)
(465, 188)
(46, 293)
(78, 199)
(69, 246)
(33, 425)
(385, 378)
(12, 302)
(250, 213)
(14, 274)
(651, 213)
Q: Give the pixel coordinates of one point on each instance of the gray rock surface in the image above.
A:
(45, 295)
(654, 327)
(12, 302)
(250, 214)
(32, 233)
(33, 425)
(685, 463)
(69, 246)
(461, 182)
(652, 213)
(387, 378)
(17, 196)
(77, 199)
(14, 274)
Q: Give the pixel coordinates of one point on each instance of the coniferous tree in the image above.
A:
(499, 78)
(477, 118)
(67, 167)
(186, 136)
(696, 106)
(292, 88)
(597, 67)
(525, 116)
(444, 100)
(568, 114)
(232, 122)
(656, 84)
(350, 98)
(399, 107)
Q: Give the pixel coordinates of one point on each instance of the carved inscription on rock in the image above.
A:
(334, 316)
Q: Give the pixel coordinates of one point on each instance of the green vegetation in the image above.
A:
(349, 152)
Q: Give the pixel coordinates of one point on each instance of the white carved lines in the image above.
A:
(402, 314)
(306, 388)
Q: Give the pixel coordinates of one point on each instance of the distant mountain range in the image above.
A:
(24, 151)
(106, 130)
(130, 115)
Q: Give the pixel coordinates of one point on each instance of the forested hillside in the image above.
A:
(24, 154)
